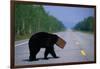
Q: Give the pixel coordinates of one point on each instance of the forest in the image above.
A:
(30, 19)
(86, 25)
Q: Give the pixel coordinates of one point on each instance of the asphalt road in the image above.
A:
(79, 48)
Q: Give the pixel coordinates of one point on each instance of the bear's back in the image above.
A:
(43, 39)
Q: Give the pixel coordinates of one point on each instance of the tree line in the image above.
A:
(86, 25)
(33, 18)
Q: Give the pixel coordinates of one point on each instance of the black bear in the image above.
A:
(42, 40)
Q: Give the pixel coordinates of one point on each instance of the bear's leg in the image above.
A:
(50, 49)
(33, 53)
(46, 53)
(52, 52)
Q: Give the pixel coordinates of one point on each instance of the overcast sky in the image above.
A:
(69, 16)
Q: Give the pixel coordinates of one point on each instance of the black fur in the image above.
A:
(42, 40)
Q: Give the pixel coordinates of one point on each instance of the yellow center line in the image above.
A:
(83, 53)
(78, 43)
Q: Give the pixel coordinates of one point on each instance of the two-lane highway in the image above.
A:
(79, 48)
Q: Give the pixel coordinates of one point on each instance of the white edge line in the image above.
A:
(21, 43)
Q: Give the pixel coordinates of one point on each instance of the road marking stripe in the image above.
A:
(83, 53)
(21, 43)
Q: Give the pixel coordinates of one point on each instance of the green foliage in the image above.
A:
(85, 25)
(33, 18)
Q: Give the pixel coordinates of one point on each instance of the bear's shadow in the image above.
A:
(40, 59)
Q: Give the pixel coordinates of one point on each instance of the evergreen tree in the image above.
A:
(85, 25)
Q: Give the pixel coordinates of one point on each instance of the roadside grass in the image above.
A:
(27, 36)
(87, 32)
(22, 37)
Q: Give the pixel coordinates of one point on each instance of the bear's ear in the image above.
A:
(61, 43)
